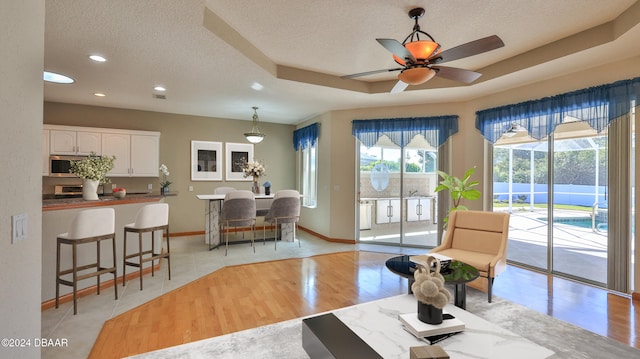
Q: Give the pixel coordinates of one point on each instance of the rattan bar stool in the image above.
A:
(89, 226)
(150, 218)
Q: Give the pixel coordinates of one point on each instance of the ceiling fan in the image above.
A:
(419, 58)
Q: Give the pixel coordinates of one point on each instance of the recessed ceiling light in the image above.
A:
(160, 88)
(256, 86)
(97, 58)
(57, 78)
(99, 94)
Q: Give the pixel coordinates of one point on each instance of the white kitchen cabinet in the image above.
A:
(387, 211)
(119, 145)
(136, 155)
(419, 209)
(45, 152)
(72, 142)
(145, 155)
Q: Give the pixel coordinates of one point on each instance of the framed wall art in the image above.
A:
(236, 155)
(206, 161)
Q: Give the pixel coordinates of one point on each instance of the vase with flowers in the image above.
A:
(429, 290)
(93, 170)
(255, 170)
(164, 185)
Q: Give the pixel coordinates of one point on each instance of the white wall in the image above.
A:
(21, 87)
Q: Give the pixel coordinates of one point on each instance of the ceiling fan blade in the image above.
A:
(399, 87)
(369, 73)
(456, 74)
(469, 49)
(396, 48)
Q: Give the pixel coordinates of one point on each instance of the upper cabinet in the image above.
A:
(145, 155)
(137, 155)
(137, 152)
(72, 142)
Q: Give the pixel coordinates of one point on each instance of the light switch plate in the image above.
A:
(18, 227)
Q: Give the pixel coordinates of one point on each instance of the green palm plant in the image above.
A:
(459, 189)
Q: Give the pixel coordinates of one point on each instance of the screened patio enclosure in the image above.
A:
(559, 217)
(564, 167)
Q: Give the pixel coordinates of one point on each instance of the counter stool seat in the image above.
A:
(88, 226)
(150, 218)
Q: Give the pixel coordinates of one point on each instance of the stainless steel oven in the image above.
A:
(59, 165)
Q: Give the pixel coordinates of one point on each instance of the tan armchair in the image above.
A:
(480, 239)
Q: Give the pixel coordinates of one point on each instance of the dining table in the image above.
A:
(213, 206)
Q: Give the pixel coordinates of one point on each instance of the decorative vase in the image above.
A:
(164, 190)
(90, 190)
(429, 314)
(267, 190)
(256, 187)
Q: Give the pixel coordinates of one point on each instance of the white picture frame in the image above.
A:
(206, 161)
(235, 155)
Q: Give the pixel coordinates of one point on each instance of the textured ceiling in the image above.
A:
(209, 53)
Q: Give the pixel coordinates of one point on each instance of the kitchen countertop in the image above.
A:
(55, 204)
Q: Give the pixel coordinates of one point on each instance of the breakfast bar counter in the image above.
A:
(57, 214)
(49, 203)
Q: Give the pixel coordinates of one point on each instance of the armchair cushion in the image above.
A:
(478, 238)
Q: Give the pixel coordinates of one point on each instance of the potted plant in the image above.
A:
(164, 185)
(93, 171)
(459, 189)
(430, 292)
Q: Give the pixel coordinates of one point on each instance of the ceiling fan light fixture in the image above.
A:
(416, 75)
(421, 50)
(255, 136)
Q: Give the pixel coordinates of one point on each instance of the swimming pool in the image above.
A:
(582, 222)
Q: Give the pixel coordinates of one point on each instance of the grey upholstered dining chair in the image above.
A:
(238, 210)
(284, 209)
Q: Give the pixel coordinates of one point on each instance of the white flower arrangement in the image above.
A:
(165, 174)
(93, 167)
(254, 169)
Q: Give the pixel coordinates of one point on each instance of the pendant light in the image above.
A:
(255, 136)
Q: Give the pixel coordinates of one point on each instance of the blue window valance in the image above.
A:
(306, 136)
(436, 130)
(597, 105)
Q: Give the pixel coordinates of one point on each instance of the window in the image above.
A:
(309, 176)
(305, 142)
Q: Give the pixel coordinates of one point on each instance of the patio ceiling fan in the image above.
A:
(418, 57)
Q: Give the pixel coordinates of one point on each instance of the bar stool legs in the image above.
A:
(89, 226)
(75, 277)
(141, 255)
(150, 218)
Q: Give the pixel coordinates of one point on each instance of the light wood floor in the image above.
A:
(247, 296)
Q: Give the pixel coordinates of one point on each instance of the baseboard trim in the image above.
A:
(323, 237)
(328, 239)
(51, 303)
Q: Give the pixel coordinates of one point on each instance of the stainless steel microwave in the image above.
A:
(59, 165)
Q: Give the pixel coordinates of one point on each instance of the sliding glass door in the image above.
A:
(571, 235)
(397, 202)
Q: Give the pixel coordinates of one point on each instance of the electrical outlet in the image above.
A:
(190, 188)
(113, 185)
(150, 186)
(18, 228)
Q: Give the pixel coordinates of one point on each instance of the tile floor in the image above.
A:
(190, 259)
